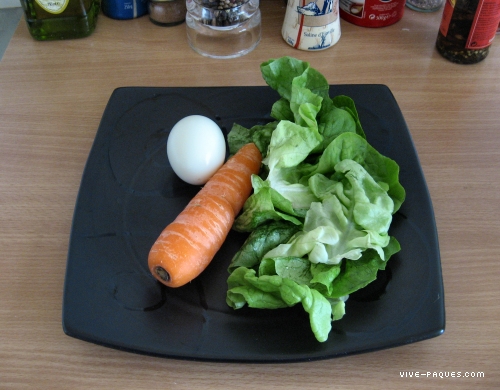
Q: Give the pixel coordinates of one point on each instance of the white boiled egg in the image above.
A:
(196, 149)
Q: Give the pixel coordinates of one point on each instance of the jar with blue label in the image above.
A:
(124, 9)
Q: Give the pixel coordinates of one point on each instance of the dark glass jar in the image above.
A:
(167, 12)
(424, 5)
(467, 30)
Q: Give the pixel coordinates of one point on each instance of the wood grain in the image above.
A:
(52, 96)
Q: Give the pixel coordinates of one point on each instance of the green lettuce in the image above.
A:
(321, 208)
(354, 215)
(262, 240)
(275, 291)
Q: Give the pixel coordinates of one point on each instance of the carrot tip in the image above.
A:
(162, 273)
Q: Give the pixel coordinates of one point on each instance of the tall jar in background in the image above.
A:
(62, 19)
(312, 25)
(467, 30)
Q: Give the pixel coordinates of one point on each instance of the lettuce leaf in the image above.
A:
(260, 135)
(354, 215)
(321, 208)
(264, 205)
(355, 275)
(275, 291)
(284, 73)
(260, 241)
(383, 170)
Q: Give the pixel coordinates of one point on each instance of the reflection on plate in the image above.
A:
(129, 193)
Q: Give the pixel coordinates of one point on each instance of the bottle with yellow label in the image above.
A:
(60, 19)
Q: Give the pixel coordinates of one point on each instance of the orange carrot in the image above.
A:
(187, 245)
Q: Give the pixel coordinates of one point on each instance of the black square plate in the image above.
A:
(129, 193)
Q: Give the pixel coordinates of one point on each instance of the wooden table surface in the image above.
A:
(52, 97)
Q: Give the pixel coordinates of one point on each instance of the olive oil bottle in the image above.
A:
(60, 19)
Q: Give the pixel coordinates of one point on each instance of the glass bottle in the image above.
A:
(467, 30)
(60, 19)
(424, 5)
(167, 12)
(124, 9)
(223, 28)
